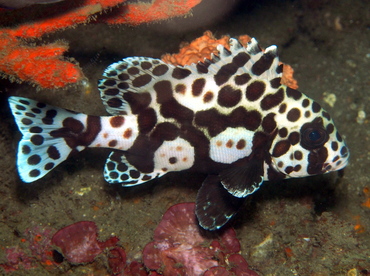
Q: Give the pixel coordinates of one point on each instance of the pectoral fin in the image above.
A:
(243, 180)
(215, 206)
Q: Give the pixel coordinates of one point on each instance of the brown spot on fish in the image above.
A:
(127, 134)
(281, 148)
(272, 100)
(293, 115)
(112, 143)
(229, 144)
(180, 88)
(255, 90)
(228, 96)
(208, 97)
(117, 121)
(197, 87)
(241, 144)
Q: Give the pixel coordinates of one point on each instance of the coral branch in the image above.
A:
(73, 17)
(41, 65)
(45, 65)
(135, 14)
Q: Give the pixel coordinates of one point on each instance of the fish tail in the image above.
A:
(49, 136)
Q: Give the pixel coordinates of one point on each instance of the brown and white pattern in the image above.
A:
(228, 117)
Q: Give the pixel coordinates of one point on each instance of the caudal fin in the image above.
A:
(40, 150)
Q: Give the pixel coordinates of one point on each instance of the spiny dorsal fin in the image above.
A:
(135, 84)
(240, 59)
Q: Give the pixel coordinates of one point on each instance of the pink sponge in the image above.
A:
(181, 247)
(79, 242)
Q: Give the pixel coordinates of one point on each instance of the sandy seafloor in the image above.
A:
(311, 226)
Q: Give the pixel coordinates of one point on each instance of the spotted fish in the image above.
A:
(228, 117)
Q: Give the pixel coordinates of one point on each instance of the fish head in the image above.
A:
(307, 141)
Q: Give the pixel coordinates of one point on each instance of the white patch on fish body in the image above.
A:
(176, 155)
(231, 144)
(119, 132)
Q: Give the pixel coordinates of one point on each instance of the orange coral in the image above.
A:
(197, 50)
(359, 228)
(204, 46)
(138, 13)
(287, 78)
(366, 203)
(45, 65)
(73, 16)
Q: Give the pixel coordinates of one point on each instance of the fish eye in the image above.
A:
(313, 136)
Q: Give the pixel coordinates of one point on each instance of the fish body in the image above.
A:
(228, 117)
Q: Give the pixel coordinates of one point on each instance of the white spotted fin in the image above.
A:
(215, 206)
(149, 77)
(250, 59)
(38, 151)
(241, 181)
(119, 170)
(123, 79)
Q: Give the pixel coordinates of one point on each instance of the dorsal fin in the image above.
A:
(127, 85)
(137, 83)
(250, 59)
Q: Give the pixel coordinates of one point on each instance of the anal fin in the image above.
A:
(119, 170)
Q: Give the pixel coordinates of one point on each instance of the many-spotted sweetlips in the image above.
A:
(229, 117)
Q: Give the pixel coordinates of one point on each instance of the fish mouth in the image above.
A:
(342, 165)
(333, 167)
